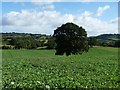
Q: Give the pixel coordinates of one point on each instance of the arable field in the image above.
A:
(42, 69)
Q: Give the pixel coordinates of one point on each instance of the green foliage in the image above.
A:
(117, 43)
(6, 47)
(108, 36)
(70, 39)
(92, 41)
(51, 43)
(108, 39)
(33, 41)
(24, 42)
(42, 69)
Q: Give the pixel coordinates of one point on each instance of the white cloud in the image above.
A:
(95, 26)
(115, 20)
(48, 20)
(68, 18)
(48, 5)
(101, 10)
(86, 14)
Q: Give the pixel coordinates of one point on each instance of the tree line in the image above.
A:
(26, 41)
(48, 42)
(69, 36)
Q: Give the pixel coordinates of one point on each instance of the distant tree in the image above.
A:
(13, 41)
(117, 43)
(28, 44)
(51, 43)
(6, 47)
(70, 39)
(92, 41)
(42, 43)
(20, 44)
(24, 42)
(33, 44)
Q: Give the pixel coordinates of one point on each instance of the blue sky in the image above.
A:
(84, 14)
(65, 7)
(76, 8)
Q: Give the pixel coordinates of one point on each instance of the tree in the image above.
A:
(117, 43)
(92, 41)
(51, 43)
(24, 42)
(70, 39)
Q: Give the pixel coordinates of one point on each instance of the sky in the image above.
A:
(44, 17)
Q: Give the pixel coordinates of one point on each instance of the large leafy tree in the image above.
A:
(70, 39)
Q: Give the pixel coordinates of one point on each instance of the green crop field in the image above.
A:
(42, 69)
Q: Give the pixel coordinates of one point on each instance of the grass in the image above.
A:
(42, 69)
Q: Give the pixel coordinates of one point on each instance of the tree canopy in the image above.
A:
(70, 39)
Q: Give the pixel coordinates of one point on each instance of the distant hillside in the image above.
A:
(108, 39)
(31, 41)
(23, 40)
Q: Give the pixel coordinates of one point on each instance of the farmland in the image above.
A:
(97, 68)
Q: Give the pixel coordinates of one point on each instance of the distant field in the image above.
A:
(42, 69)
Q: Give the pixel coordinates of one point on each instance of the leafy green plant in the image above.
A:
(42, 69)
